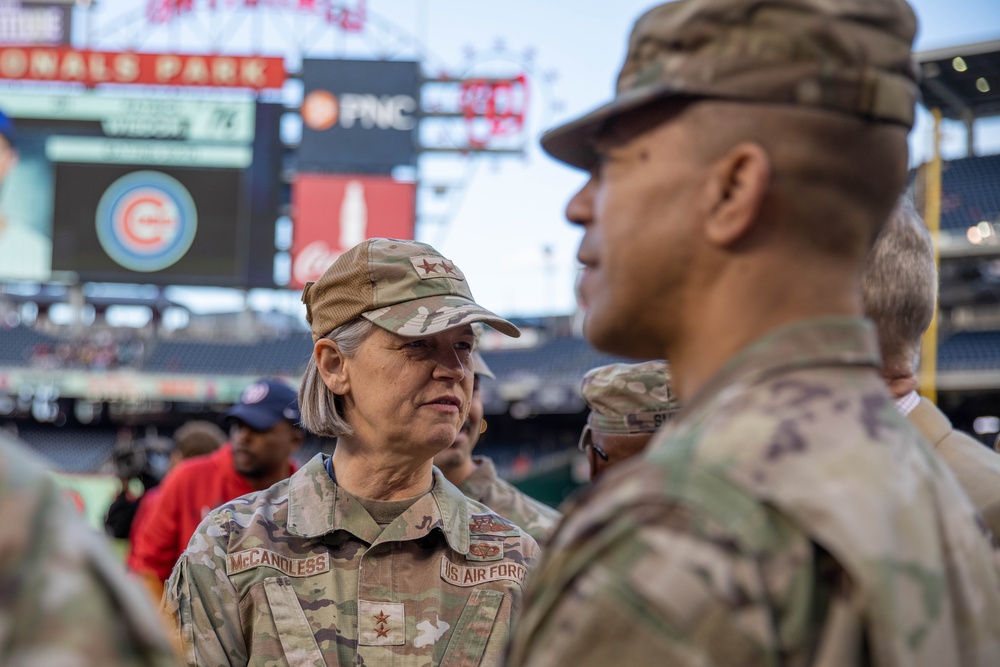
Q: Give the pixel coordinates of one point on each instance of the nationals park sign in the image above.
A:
(153, 69)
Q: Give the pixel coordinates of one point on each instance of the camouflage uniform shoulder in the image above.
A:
(533, 516)
(71, 595)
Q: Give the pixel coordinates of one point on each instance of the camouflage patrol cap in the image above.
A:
(850, 56)
(405, 287)
(629, 398)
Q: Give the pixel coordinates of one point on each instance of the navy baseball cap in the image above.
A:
(264, 403)
(7, 129)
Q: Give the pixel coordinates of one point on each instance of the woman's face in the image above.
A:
(410, 395)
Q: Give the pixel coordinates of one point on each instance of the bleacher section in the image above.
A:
(269, 357)
(17, 344)
(969, 351)
(971, 192)
(75, 450)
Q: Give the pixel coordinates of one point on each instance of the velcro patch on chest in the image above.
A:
(381, 623)
(242, 561)
(473, 575)
(491, 524)
(486, 550)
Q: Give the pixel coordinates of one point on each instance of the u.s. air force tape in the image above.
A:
(473, 575)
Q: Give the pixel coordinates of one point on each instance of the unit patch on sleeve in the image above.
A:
(293, 567)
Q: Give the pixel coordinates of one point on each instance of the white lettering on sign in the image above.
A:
(293, 567)
(386, 112)
(473, 575)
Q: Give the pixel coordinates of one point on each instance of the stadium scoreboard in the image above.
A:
(117, 186)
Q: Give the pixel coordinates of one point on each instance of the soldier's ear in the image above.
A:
(332, 366)
(738, 182)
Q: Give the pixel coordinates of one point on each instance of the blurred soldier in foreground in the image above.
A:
(628, 404)
(789, 515)
(264, 433)
(899, 290)
(477, 477)
(370, 556)
(64, 597)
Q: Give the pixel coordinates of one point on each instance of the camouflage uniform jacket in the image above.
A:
(790, 516)
(300, 574)
(536, 518)
(65, 598)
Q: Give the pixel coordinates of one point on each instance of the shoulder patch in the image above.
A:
(492, 524)
(473, 575)
(242, 561)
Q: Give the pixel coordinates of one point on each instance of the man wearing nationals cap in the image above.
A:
(477, 476)
(264, 432)
(789, 514)
(369, 556)
(628, 404)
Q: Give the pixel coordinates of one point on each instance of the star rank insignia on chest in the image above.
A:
(486, 551)
(491, 524)
(381, 623)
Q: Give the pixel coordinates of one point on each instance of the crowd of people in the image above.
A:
(770, 489)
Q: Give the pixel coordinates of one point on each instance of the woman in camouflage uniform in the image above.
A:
(369, 556)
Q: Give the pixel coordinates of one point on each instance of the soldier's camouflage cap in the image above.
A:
(405, 287)
(850, 56)
(629, 398)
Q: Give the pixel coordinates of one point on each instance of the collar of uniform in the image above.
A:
(812, 343)
(311, 489)
(478, 483)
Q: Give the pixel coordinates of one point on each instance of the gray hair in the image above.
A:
(899, 286)
(322, 411)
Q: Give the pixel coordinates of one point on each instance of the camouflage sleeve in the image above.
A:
(659, 594)
(203, 602)
(64, 597)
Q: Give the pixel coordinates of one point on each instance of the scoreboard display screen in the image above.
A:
(141, 189)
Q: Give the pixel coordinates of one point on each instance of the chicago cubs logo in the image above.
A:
(146, 221)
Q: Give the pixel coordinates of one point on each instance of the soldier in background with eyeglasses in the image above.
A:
(628, 404)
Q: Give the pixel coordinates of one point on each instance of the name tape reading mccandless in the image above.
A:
(293, 567)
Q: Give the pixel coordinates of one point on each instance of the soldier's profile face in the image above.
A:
(639, 211)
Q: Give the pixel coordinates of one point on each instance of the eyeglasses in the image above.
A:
(587, 440)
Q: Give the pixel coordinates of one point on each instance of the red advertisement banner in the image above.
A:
(157, 69)
(333, 213)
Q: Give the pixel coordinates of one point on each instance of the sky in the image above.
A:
(500, 218)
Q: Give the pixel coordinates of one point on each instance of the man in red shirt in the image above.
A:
(264, 432)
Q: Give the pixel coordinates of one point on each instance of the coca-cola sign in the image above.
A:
(333, 213)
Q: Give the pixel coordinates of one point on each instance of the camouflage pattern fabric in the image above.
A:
(300, 574)
(405, 287)
(64, 597)
(485, 486)
(791, 516)
(849, 56)
(629, 398)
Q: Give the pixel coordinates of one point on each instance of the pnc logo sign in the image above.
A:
(146, 221)
(322, 110)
